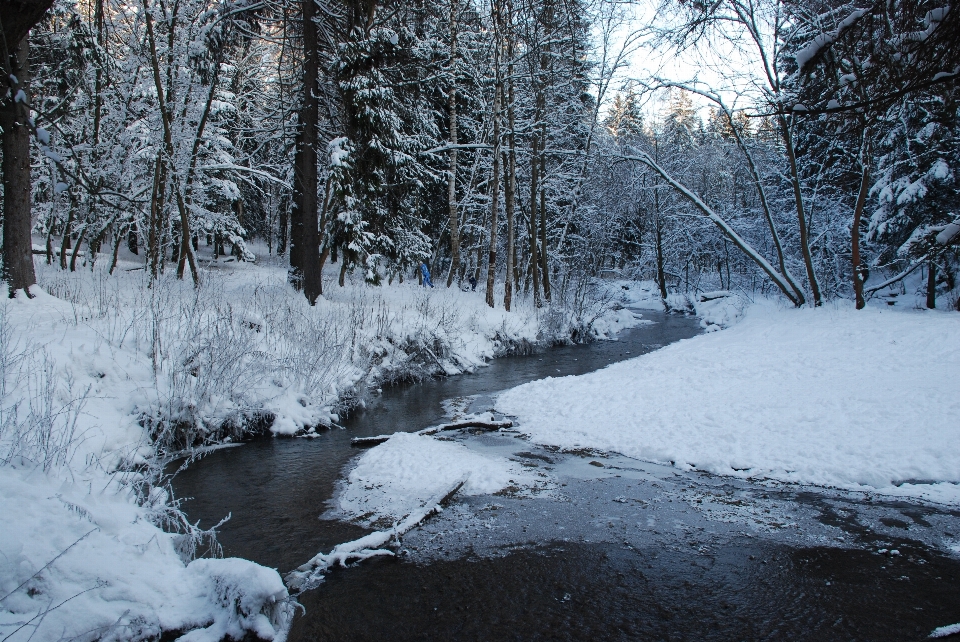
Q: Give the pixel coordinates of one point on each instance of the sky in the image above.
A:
(723, 69)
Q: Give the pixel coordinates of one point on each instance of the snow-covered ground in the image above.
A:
(99, 374)
(84, 562)
(837, 397)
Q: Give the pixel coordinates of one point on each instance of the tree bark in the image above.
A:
(495, 174)
(931, 285)
(18, 269)
(305, 235)
(494, 197)
(18, 17)
(534, 258)
(166, 118)
(661, 275)
(858, 273)
(544, 263)
(801, 215)
(452, 173)
(282, 228)
(510, 168)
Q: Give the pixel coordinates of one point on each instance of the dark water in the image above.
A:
(744, 591)
(275, 489)
(623, 550)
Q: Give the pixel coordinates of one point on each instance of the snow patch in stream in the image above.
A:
(399, 476)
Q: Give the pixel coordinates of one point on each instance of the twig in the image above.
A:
(45, 566)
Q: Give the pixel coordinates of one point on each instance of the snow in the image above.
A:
(940, 170)
(836, 397)
(643, 295)
(89, 378)
(399, 476)
(945, 631)
(83, 561)
(812, 49)
(949, 233)
(311, 573)
(607, 326)
(719, 309)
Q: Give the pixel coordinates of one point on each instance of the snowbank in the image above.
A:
(401, 475)
(833, 397)
(644, 295)
(83, 562)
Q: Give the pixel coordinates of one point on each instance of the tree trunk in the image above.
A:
(510, 168)
(932, 285)
(166, 117)
(494, 188)
(282, 229)
(304, 232)
(156, 214)
(544, 264)
(661, 275)
(18, 17)
(534, 258)
(18, 269)
(801, 216)
(76, 248)
(67, 232)
(304, 235)
(858, 273)
(452, 173)
(116, 250)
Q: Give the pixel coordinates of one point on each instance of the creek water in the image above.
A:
(275, 489)
(620, 549)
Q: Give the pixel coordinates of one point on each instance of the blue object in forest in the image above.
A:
(427, 283)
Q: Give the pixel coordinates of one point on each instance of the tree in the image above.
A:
(17, 243)
(305, 272)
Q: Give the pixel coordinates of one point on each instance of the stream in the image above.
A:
(620, 549)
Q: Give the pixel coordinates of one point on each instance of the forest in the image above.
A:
(510, 141)
(479, 319)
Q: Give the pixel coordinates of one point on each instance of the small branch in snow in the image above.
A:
(470, 422)
(898, 277)
(61, 554)
(309, 575)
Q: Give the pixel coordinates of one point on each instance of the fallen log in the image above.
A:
(309, 575)
(490, 426)
(368, 442)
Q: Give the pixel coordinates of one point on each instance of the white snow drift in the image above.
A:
(856, 399)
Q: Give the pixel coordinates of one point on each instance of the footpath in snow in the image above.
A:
(862, 400)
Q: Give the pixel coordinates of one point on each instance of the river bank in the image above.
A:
(107, 380)
(585, 542)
